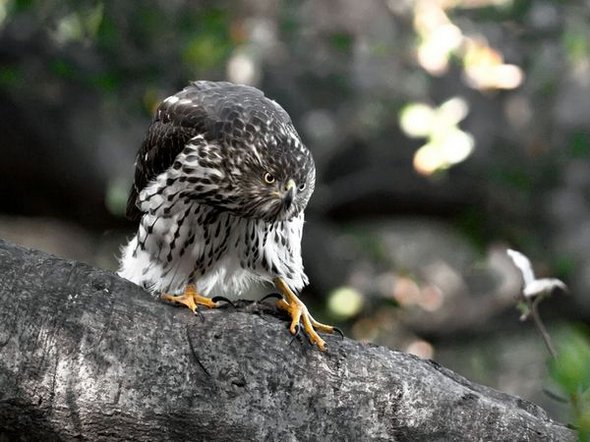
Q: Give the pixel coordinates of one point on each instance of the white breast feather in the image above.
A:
(226, 277)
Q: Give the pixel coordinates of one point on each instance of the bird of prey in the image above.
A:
(221, 183)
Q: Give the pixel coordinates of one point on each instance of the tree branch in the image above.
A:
(87, 355)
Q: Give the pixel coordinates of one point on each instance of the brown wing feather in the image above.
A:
(209, 109)
(163, 142)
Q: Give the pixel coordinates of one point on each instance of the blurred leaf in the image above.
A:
(583, 419)
(370, 243)
(151, 99)
(203, 51)
(92, 19)
(107, 81)
(519, 9)
(107, 33)
(69, 28)
(565, 267)
(473, 223)
(149, 19)
(571, 370)
(575, 41)
(341, 41)
(211, 44)
(289, 20)
(515, 178)
(4, 11)
(62, 68)
(23, 5)
(116, 196)
(524, 310)
(10, 76)
(79, 25)
(580, 145)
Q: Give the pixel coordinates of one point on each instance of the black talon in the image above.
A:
(271, 295)
(198, 313)
(223, 299)
(297, 335)
(337, 330)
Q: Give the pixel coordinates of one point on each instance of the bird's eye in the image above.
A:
(269, 178)
(301, 187)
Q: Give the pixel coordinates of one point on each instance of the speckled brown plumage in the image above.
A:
(221, 183)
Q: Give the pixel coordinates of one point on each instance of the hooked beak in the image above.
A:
(289, 194)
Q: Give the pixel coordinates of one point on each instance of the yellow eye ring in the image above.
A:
(269, 178)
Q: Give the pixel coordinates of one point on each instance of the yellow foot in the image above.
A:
(190, 298)
(299, 313)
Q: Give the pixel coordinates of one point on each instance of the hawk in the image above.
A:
(221, 183)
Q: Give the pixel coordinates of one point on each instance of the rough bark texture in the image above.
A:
(87, 355)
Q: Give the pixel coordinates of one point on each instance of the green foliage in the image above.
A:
(565, 267)
(106, 82)
(23, 5)
(579, 144)
(107, 35)
(79, 25)
(342, 41)
(289, 22)
(210, 43)
(370, 243)
(10, 76)
(515, 178)
(571, 371)
(62, 68)
(472, 223)
(575, 41)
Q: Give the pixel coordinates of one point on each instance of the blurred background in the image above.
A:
(444, 131)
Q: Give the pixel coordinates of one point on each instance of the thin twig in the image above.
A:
(541, 328)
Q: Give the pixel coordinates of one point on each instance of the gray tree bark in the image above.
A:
(87, 355)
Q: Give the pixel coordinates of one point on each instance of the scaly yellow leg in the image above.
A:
(190, 298)
(299, 313)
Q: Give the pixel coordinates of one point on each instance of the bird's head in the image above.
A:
(276, 179)
(249, 159)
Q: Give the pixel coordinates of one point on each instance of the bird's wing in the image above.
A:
(524, 265)
(163, 142)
